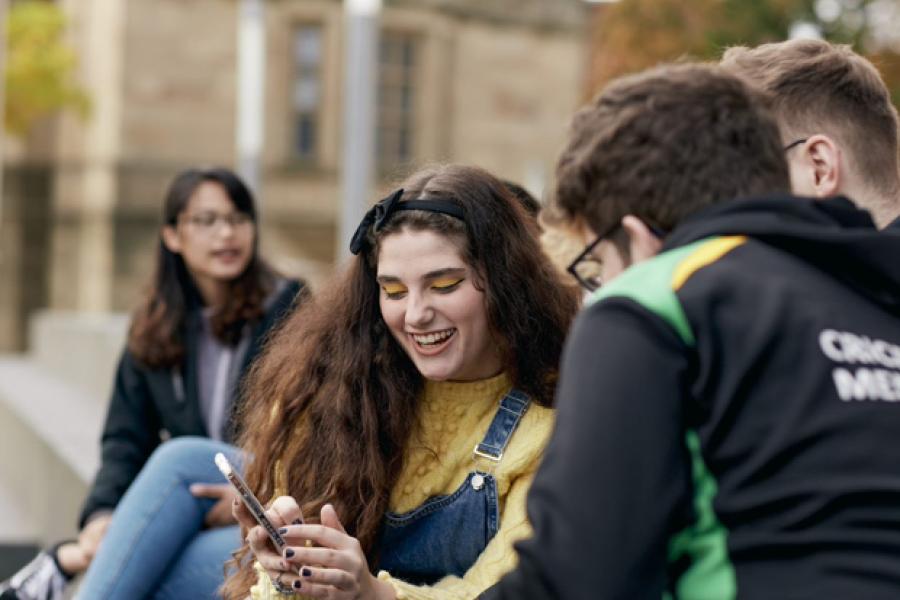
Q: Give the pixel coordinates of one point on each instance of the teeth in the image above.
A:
(433, 338)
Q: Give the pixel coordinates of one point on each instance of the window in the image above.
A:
(306, 99)
(396, 99)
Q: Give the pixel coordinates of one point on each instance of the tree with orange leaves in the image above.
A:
(631, 35)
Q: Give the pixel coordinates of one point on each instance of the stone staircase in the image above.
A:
(52, 404)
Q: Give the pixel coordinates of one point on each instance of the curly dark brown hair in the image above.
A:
(665, 143)
(157, 327)
(335, 397)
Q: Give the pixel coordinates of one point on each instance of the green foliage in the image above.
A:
(39, 66)
(634, 34)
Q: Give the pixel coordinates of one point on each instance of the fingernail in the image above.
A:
(283, 530)
(297, 584)
(307, 572)
(289, 553)
(298, 522)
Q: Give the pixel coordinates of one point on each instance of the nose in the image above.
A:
(224, 228)
(419, 311)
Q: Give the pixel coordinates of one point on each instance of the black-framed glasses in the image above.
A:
(795, 143)
(208, 221)
(586, 267)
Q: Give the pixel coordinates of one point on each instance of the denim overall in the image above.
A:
(446, 534)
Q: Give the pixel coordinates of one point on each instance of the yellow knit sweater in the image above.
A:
(455, 418)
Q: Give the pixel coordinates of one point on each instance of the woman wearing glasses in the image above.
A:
(209, 305)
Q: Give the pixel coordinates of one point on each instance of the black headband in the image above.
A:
(378, 216)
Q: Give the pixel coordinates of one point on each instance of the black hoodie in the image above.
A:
(894, 225)
(729, 419)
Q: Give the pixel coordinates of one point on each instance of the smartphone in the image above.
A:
(250, 500)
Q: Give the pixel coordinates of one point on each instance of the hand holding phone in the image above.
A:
(250, 500)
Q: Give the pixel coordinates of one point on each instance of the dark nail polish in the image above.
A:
(307, 573)
(283, 530)
(289, 553)
(297, 584)
(298, 522)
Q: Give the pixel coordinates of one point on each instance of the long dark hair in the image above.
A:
(335, 397)
(156, 335)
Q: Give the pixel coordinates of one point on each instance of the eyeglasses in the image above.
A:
(586, 267)
(208, 221)
(795, 143)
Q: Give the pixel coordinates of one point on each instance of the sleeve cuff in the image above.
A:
(263, 588)
(399, 592)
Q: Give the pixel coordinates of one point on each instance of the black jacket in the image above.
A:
(894, 225)
(728, 419)
(151, 405)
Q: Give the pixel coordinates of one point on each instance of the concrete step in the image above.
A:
(52, 405)
(49, 452)
(15, 556)
(65, 417)
(80, 348)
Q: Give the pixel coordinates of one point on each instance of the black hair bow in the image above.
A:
(376, 216)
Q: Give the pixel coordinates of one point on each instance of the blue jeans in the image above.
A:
(156, 546)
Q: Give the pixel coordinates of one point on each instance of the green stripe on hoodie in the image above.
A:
(711, 575)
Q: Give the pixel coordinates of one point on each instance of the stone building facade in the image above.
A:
(485, 82)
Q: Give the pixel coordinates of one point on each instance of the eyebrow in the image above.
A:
(429, 275)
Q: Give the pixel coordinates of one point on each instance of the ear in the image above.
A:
(170, 239)
(642, 243)
(825, 159)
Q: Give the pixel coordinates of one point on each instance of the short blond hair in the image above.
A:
(818, 87)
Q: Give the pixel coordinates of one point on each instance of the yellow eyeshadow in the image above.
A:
(446, 282)
(393, 288)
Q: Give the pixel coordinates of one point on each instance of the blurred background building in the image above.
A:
(105, 100)
(486, 83)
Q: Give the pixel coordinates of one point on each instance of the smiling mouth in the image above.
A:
(432, 340)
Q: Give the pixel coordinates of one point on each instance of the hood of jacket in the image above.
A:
(832, 234)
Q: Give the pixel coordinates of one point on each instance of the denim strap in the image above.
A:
(512, 407)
